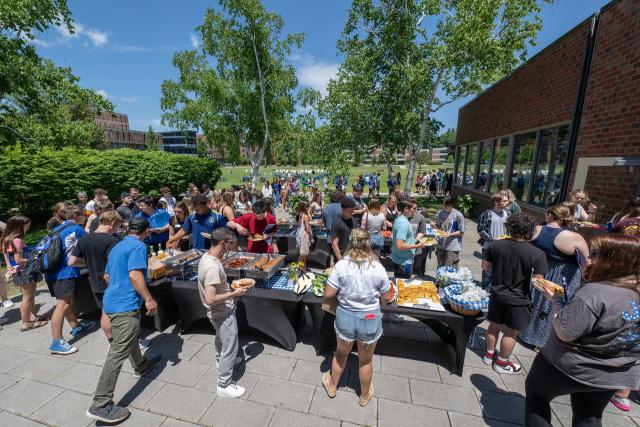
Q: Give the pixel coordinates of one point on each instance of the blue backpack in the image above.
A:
(47, 254)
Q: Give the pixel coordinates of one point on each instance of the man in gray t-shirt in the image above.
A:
(452, 222)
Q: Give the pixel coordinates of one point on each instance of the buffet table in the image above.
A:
(452, 328)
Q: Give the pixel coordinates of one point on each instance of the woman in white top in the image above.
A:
(581, 215)
(360, 282)
(374, 222)
(242, 204)
(316, 206)
(267, 191)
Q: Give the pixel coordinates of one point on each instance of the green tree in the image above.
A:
(40, 103)
(202, 148)
(238, 86)
(151, 140)
(420, 55)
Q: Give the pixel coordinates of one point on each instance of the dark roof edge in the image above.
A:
(550, 45)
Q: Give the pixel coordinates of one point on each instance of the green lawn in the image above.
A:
(233, 174)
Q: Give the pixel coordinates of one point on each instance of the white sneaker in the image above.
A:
(238, 360)
(143, 343)
(506, 368)
(232, 390)
(7, 303)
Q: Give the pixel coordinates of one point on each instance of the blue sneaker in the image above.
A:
(83, 327)
(61, 347)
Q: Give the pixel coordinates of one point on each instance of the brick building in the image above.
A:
(567, 118)
(118, 134)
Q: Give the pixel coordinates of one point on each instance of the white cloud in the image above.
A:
(97, 38)
(194, 41)
(39, 42)
(129, 99)
(314, 72)
(103, 93)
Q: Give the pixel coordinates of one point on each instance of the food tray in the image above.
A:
(237, 271)
(183, 258)
(255, 273)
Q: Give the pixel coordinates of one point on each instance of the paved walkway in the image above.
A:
(412, 377)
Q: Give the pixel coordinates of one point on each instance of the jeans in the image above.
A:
(226, 345)
(447, 258)
(364, 326)
(545, 382)
(126, 330)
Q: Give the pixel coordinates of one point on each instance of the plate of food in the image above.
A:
(256, 238)
(439, 233)
(543, 284)
(387, 234)
(316, 222)
(243, 283)
(429, 240)
(503, 236)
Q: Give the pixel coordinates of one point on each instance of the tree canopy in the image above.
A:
(40, 103)
(406, 59)
(237, 87)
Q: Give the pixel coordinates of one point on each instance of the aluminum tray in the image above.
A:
(254, 273)
(177, 261)
(238, 272)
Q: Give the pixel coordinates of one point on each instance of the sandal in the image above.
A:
(326, 382)
(33, 325)
(364, 401)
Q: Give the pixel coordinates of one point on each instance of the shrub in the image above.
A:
(466, 203)
(33, 181)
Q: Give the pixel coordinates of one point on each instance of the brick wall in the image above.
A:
(113, 121)
(610, 124)
(541, 92)
(611, 187)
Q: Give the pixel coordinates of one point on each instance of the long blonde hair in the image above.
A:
(359, 250)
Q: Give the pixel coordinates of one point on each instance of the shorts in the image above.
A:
(516, 317)
(364, 326)
(400, 273)
(22, 279)
(64, 288)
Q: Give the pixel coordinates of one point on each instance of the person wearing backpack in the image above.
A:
(63, 283)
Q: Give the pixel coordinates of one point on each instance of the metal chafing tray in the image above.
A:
(240, 271)
(183, 259)
(254, 273)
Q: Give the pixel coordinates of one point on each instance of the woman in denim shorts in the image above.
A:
(360, 283)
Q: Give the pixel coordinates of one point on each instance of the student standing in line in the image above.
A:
(514, 262)
(452, 222)
(341, 229)
(219, 300)
(126, 291)
(491, 226)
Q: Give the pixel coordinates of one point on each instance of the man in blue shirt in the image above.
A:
(63, 283)
(125, 275)
(332, 211)
(203, 220)
(403, 247)
(157, 239)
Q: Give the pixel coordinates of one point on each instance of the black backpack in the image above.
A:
(47, 254)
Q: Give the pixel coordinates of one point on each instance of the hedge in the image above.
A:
(33, 181)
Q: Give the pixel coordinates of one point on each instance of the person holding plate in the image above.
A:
(451, 221)
(260, 227)
(159, 223)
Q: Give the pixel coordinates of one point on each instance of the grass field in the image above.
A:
(233, 174)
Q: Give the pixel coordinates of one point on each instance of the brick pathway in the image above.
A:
(412, 379)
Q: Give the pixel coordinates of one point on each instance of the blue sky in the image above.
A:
(124, 48)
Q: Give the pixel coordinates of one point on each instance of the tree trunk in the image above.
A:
(425, 135)
(389, 168)
(257, 158)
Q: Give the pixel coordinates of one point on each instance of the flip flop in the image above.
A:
(364, 400)
(33, 325)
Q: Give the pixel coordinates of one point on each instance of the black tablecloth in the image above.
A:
(452, 328)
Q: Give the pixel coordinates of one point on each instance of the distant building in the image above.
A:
(180, 142)
(568, 118)
(439, 154)
(118, 134)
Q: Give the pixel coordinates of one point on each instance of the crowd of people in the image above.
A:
(588, 336)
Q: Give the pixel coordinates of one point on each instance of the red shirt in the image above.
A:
(257, 226)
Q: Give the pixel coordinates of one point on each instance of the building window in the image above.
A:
(522, 165)
(499, 165)
(486, 151)
(552, 159)
(470, 166)
(462, 153)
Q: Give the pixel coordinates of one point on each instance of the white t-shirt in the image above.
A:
(171, 203)
(359, 285)
(211, 273)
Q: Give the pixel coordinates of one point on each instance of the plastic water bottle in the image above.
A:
(406, 267)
